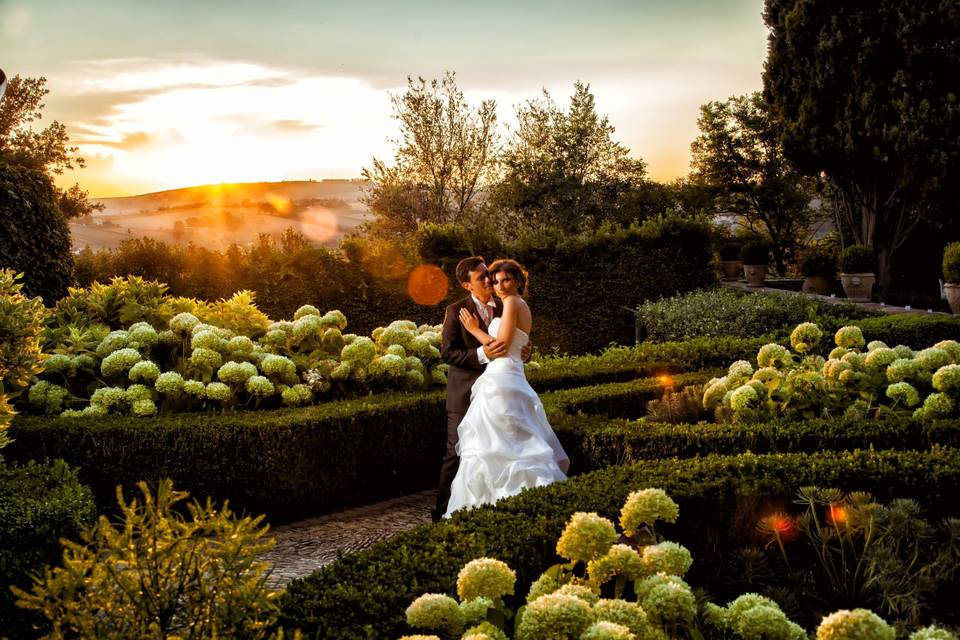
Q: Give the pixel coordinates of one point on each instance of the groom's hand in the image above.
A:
(495, 349)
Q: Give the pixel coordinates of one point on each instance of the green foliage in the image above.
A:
(39, 504)
(895, 329)
(739, 156)
(676, 407)
(158, 575)
(720, 498)
(856, 259)
(34, 235)
(755, 251)
(20, 355)
(730, 251)
(951, 262)
(818, 262)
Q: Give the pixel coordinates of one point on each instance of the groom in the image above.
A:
(467, 359)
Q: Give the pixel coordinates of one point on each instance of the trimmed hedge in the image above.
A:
(39, 504)
(915, 331)
(721, 498)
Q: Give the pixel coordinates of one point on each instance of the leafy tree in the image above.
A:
(562, 168)
(21, 319)
(48, 149)
(443, 161)
(866, 93)
(739, 158)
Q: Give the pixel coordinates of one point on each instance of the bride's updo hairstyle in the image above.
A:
(513, 268)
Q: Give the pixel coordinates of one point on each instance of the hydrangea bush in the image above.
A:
(588, 599)
(856, 379)
(178, 354)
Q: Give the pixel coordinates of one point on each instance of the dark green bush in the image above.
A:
(730, 251)
(39, 504)
(721, 499)
(818, 262)
(915, 331)
(951, 262)
(857, 259)
(755, 252)
(34, 235)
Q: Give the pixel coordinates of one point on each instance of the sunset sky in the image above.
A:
(167, 94)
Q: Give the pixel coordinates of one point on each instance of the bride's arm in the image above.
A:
(508, 322)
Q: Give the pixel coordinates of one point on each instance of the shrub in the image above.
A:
(857, 259)
(951, 262)
(895, 329)
(158, 574)
(34, 234)
(818, 263)
(39, 505)
(729, 252)
(721, 499)
(755, 252)
(20, 355)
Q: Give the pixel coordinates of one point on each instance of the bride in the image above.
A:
(505, 442)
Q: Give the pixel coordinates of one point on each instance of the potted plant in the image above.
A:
(818, 268)
(951, 274)
(856, 272)
(730, 261)
(755, 256)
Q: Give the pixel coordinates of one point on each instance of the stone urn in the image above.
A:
(818, 285)
(858, 287)
(731, 269)
(952, 291)
(755, 274)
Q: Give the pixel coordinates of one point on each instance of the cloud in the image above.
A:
(295, 126)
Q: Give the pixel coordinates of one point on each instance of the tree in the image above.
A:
(562, 168)
(739, 158)
(866, 93)
(443, 161)
(48, 150)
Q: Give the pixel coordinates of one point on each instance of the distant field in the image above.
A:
(216, 216)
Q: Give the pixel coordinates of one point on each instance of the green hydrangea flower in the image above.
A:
(667, 600)
(932, 633)
(436, 611)
(936, 405)
(859, 624)
(713, 393)
(587, 536)
(903, 393)
(754, 616)
(260, 386)
(903, 351)
(359, 353)
(47, 396)
(206, 358)
(413, 379)
(143, 333)
(484, 631)
(947, 379)
(120, 362)
(397, 350)
(766, 375)
(833, 368)
(297, 395)
(807, 383)
(279, 366)
(486, 578)
(773, 355)
(341, 371)
(901, 370)
(168, 338)
(335, 319)
(307, 327)
(183, 323)
(475, 611)
(667, 557)
(144, 408)
(82, 361)
(58, 363)
(620, 561)
(805, 337)
(388, 366)
(113, 341)
(275, 338)
(579, 591)
(108, 397)
(71, 413)
(137, 392)
(554, 616)
(422, 347)
(646, 507)
(856, 360)
(876, 344)
(94, 411)
(856, 411)
(849, 337)
(542, 586)
(438, 374)
(837, 353)
(195, 388)
(880, 358)
(419, 637)
(744, 398)
(740, 369)
(208, 340)
(218, 391)
(306, 310)
(604, 630)
(240, 345)
(236, 372)
(333, 340)
(932, 359)
(952, 347)
(169, 383)
(144, 371)
(628, 614)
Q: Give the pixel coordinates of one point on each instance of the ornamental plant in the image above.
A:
(951, 263)
(856, 259)
(817, 262)
(20, 353)
(755, 252)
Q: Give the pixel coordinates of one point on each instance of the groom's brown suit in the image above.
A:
(458, 349)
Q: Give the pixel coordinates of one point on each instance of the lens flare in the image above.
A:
(280, 204)
(319, 224)
(386, 262)
(838, 515)
(427, 284)
(666, 380)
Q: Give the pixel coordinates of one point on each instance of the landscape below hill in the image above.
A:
(218, 215)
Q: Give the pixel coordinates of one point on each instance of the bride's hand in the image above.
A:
(469, 321)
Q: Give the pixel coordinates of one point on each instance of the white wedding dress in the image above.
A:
(505, 442)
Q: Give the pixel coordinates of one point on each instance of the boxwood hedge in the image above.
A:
(721, 499)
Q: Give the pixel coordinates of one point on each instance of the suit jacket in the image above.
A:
(458, 348)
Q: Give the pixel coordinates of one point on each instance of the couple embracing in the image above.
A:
(498, 438)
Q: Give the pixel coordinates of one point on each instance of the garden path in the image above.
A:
(305, 546)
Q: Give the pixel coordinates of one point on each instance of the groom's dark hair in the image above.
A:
(465, 266)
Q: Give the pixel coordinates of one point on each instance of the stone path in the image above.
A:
(305, 546)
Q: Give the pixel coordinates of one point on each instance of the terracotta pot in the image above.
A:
(952, 291)
(818, 285)
(731, 269)
(755, 274)
(858, 287)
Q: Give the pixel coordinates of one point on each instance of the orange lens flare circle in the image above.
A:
(320, 225)
(427, 284)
